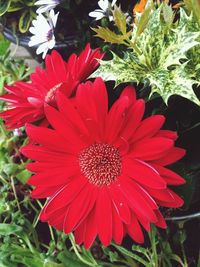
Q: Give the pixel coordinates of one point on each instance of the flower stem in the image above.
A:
(52, 234)
(71, 237)
(14, 191)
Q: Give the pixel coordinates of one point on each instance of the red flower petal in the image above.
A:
(57, 176)
(129, 91)
(136, 201)
(65, 196)
(43, 154)
(116, 119)
(121, 204)
(152, 148)
(104, 216)
(118, 229)
(44, 191)
(91, 229)
(79, 233)
(169, 176)
(148, 127)
(70, 113)
(173, 155)
(143, 173)
(161, 221)
(80, 208)
(168, 134)
(176, 203)
(70, 134)
(46, 137)
(134, 230)
(133, 119)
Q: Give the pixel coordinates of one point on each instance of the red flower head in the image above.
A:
(103, 171)
(27, 99)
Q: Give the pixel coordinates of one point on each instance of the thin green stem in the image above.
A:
(4, 180)
(39, 203)
(52, 234)
(26, 239)
(36, 221)
(14, 191)
(3, 131)
(50, 228)
(78, 254)
(152, 237)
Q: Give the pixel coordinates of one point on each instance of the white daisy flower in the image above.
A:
(17, 132)
(104, 11)
(43, 32)
(46, 5)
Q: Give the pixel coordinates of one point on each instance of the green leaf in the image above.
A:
(120, 19)
(188, 4)
(10, 168)
(52, 264)
(167, 57)
(4, 5)
(193, 6)
(181, 42)
(168, 14)
(196, 9)
(25, 21)
(167, 83)
(29, 3)
(140, 249)
(113, 256)
(23, 176)
(7, 229)
(70, 260)
(4, 45)
(143, 20)
(176, 258)
(119, 70)
(130, 254)
(108, 35)
(15, 6)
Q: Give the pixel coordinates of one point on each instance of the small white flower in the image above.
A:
(43, 33)
(17, 132)
(106, 7)
(46, 5)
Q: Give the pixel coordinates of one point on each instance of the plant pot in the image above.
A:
(65, 48)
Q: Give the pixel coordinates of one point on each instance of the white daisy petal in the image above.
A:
(44, 53)
(43, 32)
(53, 17)
(97, 15)
(51, 44)
(45, 2)
(43, 9)
(41, 48)
(105, 10)
(113, 2)
(46, 5)
(103, 4)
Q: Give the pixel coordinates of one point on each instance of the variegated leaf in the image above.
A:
(167, 83)
(120, 19)
(158, 60)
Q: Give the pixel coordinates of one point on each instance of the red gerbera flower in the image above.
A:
(103, 171)
(27, 99)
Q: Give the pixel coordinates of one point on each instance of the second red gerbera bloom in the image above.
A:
(103, 171)
(26, 100)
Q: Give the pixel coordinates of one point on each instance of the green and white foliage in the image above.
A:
(161, 54)
(192, 23)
